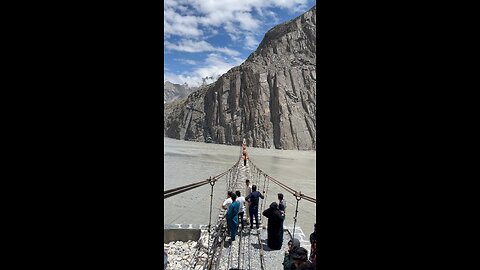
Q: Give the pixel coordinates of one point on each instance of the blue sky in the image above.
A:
(208, 37)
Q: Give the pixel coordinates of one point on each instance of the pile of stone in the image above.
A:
(187, 255)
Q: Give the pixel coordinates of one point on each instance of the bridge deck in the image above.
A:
(249, 251)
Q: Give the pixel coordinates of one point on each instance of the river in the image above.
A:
(188, 162)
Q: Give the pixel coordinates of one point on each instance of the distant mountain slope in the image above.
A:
(270, 99)
(173, 91)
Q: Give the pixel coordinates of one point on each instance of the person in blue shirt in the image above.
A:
(254, 199)
(232, 216)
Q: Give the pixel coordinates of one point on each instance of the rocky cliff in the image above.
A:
(270, 99)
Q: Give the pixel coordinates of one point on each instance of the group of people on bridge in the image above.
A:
(236, 205)
(296, 257)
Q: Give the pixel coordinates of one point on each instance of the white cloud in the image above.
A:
(177, 24)
(193, 22)
(214, 66)
(190, 62)
(250, 42)
(214, 13)
(232, 31)
(247, 22)
(186, 61)
(192, 46)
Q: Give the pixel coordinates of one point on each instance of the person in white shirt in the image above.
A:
(248, 190)
(226, 204)
(228, 201)
(241, 200)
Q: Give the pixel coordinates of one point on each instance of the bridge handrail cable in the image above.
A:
(181, 189)
(287, 188)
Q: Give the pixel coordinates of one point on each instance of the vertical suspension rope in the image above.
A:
(262, 205)
(266, 193)
(264, 180)
(212, 183)
(229, 176)
(297, 196)
(239, 250)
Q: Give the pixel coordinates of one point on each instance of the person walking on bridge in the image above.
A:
(275, 226)
(254, 199)
(227, 201)
(248, 190)
(232, 216)
(241, 200)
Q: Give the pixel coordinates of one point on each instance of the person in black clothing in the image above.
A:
(254, 198)
(287, 260)
(275, 226)
(299, 257)
(307, 266)
(313, 245)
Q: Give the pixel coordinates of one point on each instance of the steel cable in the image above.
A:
(287, 188)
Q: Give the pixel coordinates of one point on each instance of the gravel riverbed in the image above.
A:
(245, 253)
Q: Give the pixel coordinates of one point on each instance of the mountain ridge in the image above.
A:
(172, 91)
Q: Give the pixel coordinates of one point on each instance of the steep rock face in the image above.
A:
(269, 99)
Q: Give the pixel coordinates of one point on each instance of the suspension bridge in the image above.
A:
(250, 250)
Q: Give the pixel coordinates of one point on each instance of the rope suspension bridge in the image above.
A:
(238, 254)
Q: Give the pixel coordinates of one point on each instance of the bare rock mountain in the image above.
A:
(172, 91)
(270, 99)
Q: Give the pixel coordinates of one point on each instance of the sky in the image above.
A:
(206, 38)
